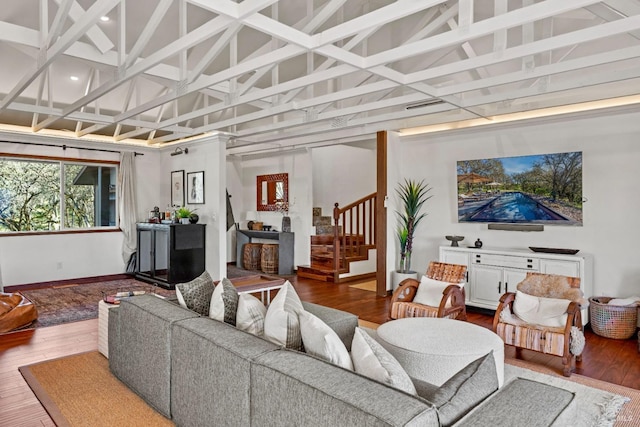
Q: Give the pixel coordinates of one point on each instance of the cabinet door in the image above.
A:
(559, 266)
(455, 257)
(512, 277)
(486, 285)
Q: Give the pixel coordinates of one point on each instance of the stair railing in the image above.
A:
(354, 228)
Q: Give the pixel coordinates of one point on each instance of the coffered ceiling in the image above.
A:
(296, 72)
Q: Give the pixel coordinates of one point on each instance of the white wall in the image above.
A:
(298, 165)
(40, 258)
(343, 174)
(611, 159)
(204, 155)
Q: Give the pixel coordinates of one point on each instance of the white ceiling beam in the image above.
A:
(265, 93)
(214, 51)
(379, 17)
(11, 33)
(57, 25)
(196, 36)
(148, 32)
(544, 70)
(94, 34)
(549, 44)
(482, 28)
(76, 31)
(279, 55)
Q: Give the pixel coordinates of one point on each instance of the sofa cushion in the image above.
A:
(541, 311)
(224, 302)
(430, 292)
(250, 315)
(321, 341)
(289, 388)
(343, 323)
(196, 294)
(372, 360)
(465, 390)
(281, 325)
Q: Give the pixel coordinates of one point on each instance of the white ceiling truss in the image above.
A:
(292, 72)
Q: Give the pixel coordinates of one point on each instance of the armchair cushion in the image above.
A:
(430, 292)
(541, 311)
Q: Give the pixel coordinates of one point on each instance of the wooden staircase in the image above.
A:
(348, 240)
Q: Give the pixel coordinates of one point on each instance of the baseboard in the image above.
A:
(57, 283)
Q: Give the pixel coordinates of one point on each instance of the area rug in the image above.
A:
(80, 390)
(75, 302)
(81, 387)
(595, 406)
(367, 286)
(628, 416)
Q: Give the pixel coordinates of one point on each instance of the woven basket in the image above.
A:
(612, 321)
(269, 258)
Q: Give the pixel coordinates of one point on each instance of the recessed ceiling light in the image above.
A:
(74, 78)
(104, 19)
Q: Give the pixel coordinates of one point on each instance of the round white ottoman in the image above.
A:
(433, 349)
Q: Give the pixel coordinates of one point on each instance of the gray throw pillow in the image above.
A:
(224, 302)
(196, 294)
(464, 391)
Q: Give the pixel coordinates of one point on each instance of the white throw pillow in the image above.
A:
(541, 311)
(250, 315)
(374, 361)
(224, 302)
(430, 292)
(321, 341)
(281, 325)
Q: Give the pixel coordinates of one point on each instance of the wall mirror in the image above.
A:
(272, 190)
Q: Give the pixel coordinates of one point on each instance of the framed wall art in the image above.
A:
(177, 188)
(195, 188)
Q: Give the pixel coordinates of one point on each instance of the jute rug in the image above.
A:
(367, 286)
(80, 390)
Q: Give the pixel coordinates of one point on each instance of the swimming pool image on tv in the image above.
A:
(540, 189)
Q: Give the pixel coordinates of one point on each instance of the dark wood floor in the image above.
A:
(614, 361)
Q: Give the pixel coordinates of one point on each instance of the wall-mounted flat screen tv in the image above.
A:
(539, 189)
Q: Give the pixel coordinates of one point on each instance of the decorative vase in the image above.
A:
(193, 218)
(397, 277)
(478, 243)
(286, 224)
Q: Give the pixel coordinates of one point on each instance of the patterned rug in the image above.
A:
(75, 302)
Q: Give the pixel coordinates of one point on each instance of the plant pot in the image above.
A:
(184, 220)
(397, 277)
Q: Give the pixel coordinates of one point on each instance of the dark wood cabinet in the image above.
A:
(170, 253)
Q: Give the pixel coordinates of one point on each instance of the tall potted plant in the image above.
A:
(413, 195)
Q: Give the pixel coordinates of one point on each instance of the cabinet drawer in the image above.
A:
(522, 262)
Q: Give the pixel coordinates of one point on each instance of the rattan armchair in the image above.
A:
(452, 304)
(566, 341)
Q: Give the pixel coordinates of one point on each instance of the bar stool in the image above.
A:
(251, 255)
(269, 261)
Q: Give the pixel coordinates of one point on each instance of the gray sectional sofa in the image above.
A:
(201, 372)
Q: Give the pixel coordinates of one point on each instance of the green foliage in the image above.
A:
(30, 196)
(413, 195)
(183, 212)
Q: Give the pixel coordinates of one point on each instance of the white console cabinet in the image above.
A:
(493, 272)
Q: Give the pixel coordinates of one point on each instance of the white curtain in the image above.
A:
(128, 208)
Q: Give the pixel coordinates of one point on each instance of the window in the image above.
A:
(42, 195)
